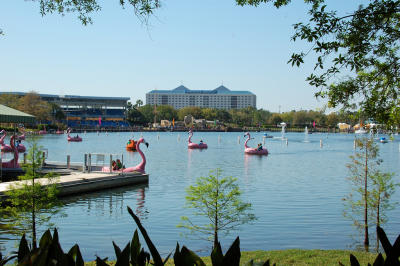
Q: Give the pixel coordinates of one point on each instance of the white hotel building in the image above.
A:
(220, 98)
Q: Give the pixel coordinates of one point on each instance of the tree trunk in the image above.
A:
(378, 219)
(215, 237)
(33, 225)
(366, 237)
(33, 207)
(216, 218)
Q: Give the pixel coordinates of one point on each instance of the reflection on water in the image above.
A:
(141, 212)
(86, 212)
(110, 203)
(295, 191)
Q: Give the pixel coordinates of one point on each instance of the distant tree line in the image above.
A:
(138, 114)
(32, 104)
(143, 115)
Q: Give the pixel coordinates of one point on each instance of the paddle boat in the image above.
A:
(360, 131)
(4, 147)
(7, 148)
(249, 150)
(22, 137)
(267, 136)
(131, 145)
(13, 163)
(20, 147)
(192, 145)
(73, 139)
(383, 140)
(42, 132)
(138, 168)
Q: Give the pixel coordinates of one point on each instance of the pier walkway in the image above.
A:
(79, 183)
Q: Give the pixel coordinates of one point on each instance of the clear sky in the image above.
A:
(200, 44)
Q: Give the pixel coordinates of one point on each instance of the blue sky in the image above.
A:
(200, 44)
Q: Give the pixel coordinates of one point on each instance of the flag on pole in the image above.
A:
(99, 120)
(173, 122)
(313, 124)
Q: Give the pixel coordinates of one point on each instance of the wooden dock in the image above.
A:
(79, 183)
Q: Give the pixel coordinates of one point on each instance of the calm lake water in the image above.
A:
(296, 192)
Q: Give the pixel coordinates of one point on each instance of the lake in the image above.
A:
(296, 191)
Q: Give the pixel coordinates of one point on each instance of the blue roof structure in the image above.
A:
(70, 96)
(221, 90)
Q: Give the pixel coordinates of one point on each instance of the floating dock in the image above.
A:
(79, 183)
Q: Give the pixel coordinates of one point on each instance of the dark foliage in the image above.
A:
(392, 252)
(186, 257)
(4, 260)
(252, 263)
(50, 252)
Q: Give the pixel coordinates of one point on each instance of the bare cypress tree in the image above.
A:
(371, 189)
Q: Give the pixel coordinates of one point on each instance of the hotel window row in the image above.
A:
(221, 98)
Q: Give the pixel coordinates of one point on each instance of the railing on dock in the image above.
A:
(93, 161)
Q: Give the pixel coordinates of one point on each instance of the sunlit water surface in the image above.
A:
(296, 192)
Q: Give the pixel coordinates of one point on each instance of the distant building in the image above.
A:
(88, 111)
(220, 98)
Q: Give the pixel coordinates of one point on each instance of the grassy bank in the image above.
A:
(308, 257)
(297, 257)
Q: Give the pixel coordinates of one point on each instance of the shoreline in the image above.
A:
(228, 129)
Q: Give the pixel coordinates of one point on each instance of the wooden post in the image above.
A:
(68, 161)
(122, 159)
(44, 158)
(90, 163)
(84, 163)
(110, 163)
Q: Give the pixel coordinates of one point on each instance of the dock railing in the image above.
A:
(96, 161)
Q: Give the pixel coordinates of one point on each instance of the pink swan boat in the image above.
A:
(22, 137)
(42, 132)
(8, 148)
(20, 146)
(73, 139)
(13, 163)
(249, 150)
(138, 168)
(192, 145)
(4, 147)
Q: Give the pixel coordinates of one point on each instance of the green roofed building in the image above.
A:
(10, 115)
(220, 98)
